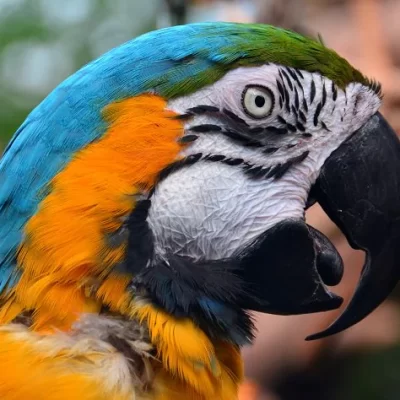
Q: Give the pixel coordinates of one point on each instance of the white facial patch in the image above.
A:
(210, 209)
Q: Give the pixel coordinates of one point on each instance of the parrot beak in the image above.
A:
(359, 189)
(288, 268)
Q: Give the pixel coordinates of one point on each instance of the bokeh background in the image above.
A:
(44, 41)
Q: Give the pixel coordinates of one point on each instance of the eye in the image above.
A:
(257, 101)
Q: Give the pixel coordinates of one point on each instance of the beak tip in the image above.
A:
(316, 336)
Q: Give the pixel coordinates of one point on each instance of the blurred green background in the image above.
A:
(44, 41)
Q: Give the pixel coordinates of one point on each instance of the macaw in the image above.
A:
(157, 196)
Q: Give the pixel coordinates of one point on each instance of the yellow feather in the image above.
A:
(209, 371)
(62, 367)
(113, 294)
(57, 368)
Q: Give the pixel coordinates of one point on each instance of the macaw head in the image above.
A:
(273, 122)
(242, 127)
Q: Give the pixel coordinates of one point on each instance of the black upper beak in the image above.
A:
(359, 188)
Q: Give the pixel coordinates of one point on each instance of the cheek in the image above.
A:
(230, 97)
(210, 210)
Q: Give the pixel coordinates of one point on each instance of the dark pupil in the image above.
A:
(260, 101)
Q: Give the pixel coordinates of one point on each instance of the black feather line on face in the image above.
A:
(285, 95)
(279, 170)
(280, 89)
(324, 126)
(205, 128)
(259, 171)
(214, 157)
(288, 80)
(281, 120)
(305, 106)
(257, 130)
(294, 76)
(334, 91)
(298, 72)
(302, 117)
(270, 150)
(323, 101)
(300, 127)
(242, 139)
(183, 117)
(276, 131)
(313, 91)
(317, 113)
(296, 99)
(291, 127)
(287, 105)
(187, 139)
(203, 109)
(233, 161)
(177, 165)
(234, 117)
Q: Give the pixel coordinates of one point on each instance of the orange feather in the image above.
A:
(66, 241)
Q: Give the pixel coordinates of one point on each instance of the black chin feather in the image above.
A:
(206, 292)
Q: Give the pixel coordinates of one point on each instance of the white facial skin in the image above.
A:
(210, 209)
